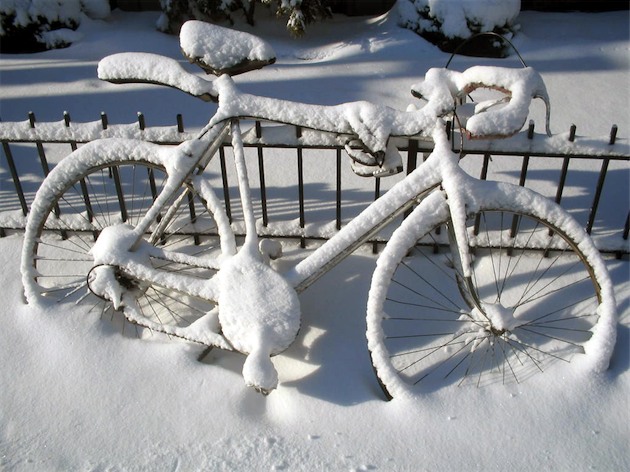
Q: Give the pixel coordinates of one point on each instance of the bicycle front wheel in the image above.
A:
(538, 293)
(103, 184)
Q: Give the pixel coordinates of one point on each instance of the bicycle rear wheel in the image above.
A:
(538, 293)
(103, 184)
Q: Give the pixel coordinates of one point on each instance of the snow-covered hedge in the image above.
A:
(447, 23)
(298, 12)
(37, 25)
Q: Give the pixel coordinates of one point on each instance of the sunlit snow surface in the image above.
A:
(75, 394)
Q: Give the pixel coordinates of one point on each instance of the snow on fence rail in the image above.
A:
(305, 186)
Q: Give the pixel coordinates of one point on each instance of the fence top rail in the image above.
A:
(566, 144)
(279, 135)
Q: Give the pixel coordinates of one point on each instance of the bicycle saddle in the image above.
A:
(219, 50)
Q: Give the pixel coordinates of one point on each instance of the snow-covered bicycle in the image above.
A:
(520, 283)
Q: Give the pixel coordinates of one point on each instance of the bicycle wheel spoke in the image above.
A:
(442, 363)
(555, 338)
(526, 348)
(426, 297)
(541, 276)
(557, 320)
(432, 287)
(430, 351)
(507, 361)
(420, 305)
(533, 299)
(166, 295)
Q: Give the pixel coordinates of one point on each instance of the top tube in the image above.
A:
(373, 124)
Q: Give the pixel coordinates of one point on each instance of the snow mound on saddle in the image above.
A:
(221, 50)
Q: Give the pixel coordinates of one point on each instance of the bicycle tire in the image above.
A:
(105, 183)
(546, 292)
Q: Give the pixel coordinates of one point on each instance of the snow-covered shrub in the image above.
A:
(447, 23)
(299, 12)
(37, 25)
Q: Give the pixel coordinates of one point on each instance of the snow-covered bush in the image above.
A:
(447, 23)
(37, 25)
(298, 12)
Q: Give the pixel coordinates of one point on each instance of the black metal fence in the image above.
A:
(304, 185)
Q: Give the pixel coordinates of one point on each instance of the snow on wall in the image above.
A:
(456, 16)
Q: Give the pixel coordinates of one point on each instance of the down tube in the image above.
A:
(370, 221)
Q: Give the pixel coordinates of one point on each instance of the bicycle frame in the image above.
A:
(243, 303)
(408, 192)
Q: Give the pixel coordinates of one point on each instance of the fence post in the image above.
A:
(377, 194)
(521, 183)
(300, 157)
(224, 181)
(15, 177)
(412, 162)
(39, 146)
(600, 183)
(565, 168)
(261, 175)
(338, 192)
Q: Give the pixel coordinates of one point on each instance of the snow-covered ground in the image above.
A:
(77, 395)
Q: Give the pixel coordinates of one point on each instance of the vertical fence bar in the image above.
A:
(338, 192)
(377, 195)
(179, 119)
(300, 163)
(119, 194)
(40, 147)
(115, 174)
(46, 168)
(193, 215)
(261, 175)
(412, 163)
(521, 182)
(626, 230)
(613, 135)
(153, 187)
(412, 156)
(226, 187)
(563, 172)
(525, 166)
(141, 121)
(484, 166)
(598, 194)
(600, 183)
(15, 177)
(565, 168)
(483, 176)
(82, 183)
(66, 121)
(44, 163)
